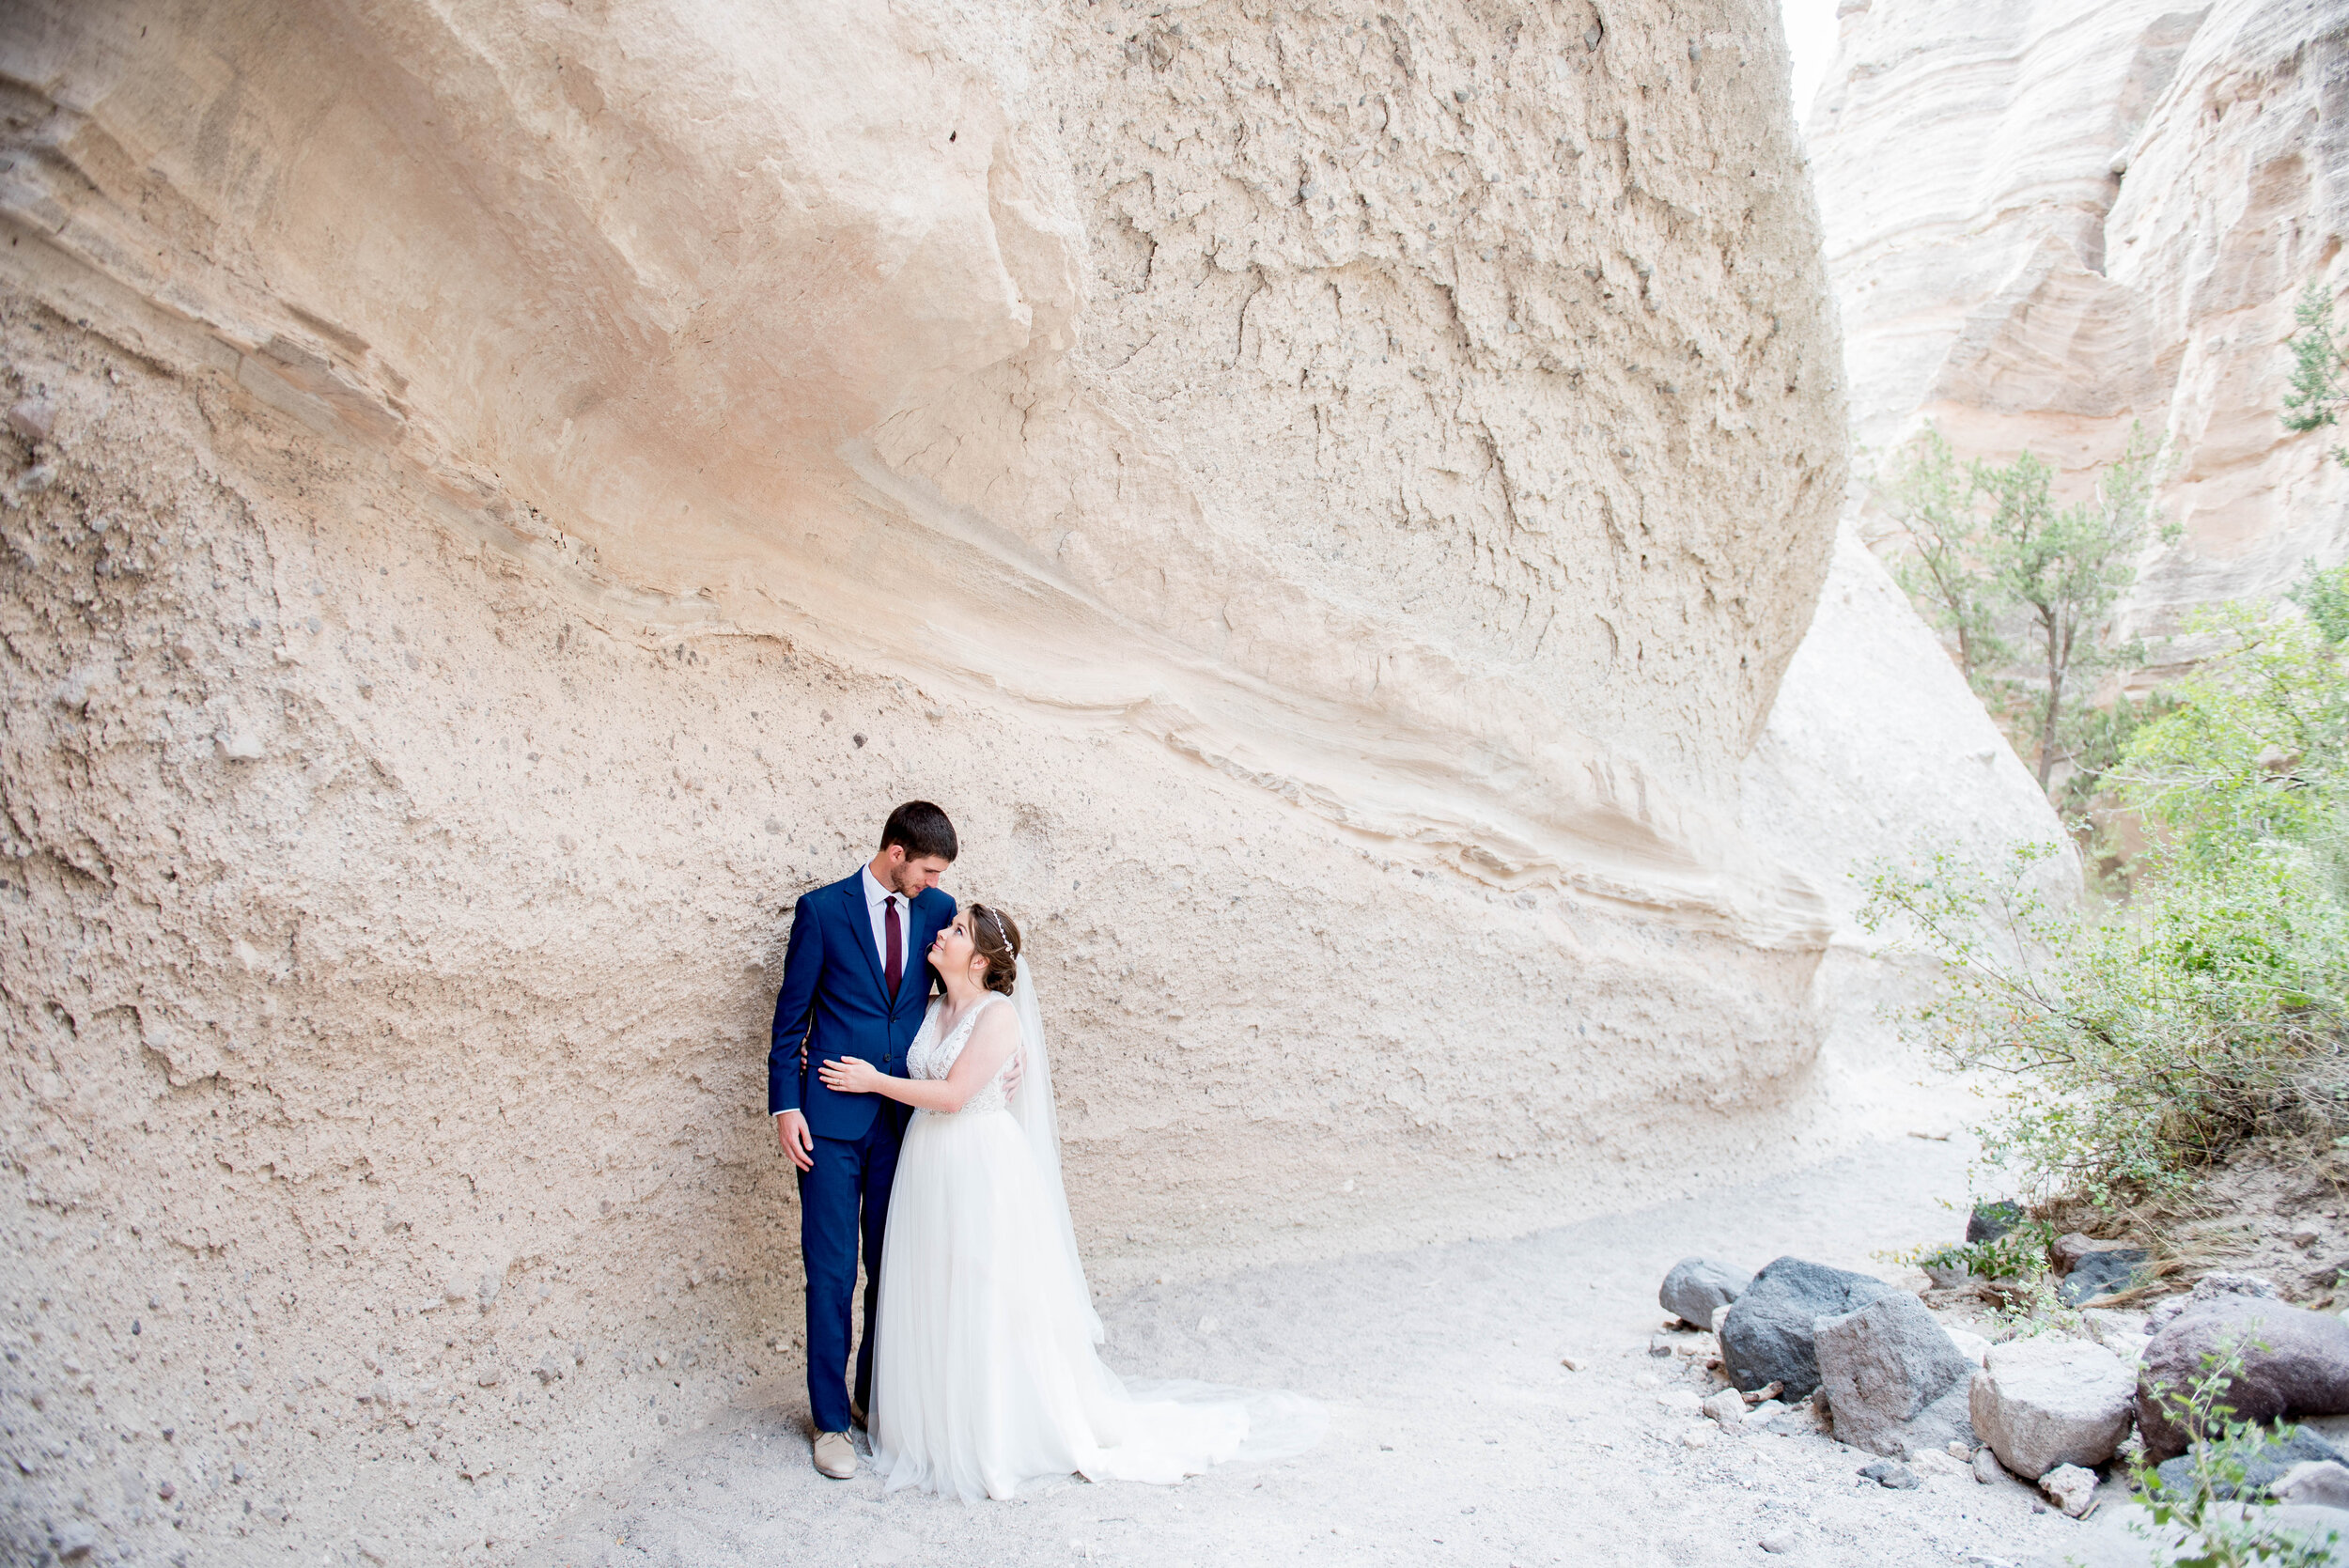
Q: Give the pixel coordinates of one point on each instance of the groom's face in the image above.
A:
(912, 878)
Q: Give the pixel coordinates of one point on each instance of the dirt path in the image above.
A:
(1456, 1435)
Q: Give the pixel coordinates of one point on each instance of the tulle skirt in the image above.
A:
(984, 1376)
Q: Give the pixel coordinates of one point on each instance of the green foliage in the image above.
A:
(2255, 755)
(1933, 497)
(2318, 358)
(2219, 1526)
(2325, 595)
(2140, 1048)
(1990, 549)
(2018, 1254)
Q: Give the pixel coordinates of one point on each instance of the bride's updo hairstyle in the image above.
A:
(997, 937)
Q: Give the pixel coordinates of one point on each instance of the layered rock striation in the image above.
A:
(498, 501)
(2047, 221)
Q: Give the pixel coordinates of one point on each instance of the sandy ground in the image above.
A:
(1456, 1435)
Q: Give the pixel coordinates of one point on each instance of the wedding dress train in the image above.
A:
(985, 1374)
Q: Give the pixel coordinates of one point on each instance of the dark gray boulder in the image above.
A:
(2103, 1273)
(1769, 1335)
(2299, 1446)
(1989, 1221)
(1895, 1380)
(2295, 1362)
(1698, 1287)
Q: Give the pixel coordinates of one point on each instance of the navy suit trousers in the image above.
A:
(845, 1194)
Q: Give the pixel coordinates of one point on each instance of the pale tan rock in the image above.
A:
(2048, 1402)
(2048, 219)
(1325, 501)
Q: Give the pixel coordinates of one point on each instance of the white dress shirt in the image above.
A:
(875, 905)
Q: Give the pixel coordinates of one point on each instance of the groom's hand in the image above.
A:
(791, 1132)
(1013, 1072)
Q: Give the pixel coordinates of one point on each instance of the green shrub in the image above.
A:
(2144, 1044)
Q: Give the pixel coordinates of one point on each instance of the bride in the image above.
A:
(984, 1369)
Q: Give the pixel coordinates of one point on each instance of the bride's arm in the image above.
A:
(992, 1039)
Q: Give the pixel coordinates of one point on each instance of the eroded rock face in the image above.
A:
(502, 500)
(2103, 212)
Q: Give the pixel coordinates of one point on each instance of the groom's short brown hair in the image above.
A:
(923, 828)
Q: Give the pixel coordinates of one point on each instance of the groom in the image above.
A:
(855, 982)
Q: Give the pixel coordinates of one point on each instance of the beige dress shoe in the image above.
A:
(835, 1457)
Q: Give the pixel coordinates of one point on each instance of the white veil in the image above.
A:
(1031, 1106)
(1278, 1425)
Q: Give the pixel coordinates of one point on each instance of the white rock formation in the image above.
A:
(500, 499)
(2049, 219)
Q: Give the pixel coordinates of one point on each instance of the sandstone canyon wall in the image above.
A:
(501, 499)
(2102, 212)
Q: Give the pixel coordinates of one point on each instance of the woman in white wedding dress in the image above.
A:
(984, 1369)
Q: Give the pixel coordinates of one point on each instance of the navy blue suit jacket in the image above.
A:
(834, 998)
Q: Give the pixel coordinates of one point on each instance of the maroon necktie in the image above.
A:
(896, 967)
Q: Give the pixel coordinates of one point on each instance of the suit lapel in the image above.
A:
(861, 926)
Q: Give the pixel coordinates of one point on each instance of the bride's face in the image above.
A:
(953, 952)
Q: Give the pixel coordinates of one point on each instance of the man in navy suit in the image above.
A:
(856, 981)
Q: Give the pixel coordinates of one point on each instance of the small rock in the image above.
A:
(489, 1377)
(32, 419)
(1571, 1363)
(550, 1367)
(2295, 1362)
(2048, 1402)
(1969, 1344)
(1780, 1543)
(2211, 1287)
(2102, 1273)
(2070, 1488)
(75, 1541)
(1696, 1436)
(1990, 1222)
(1658, 1345)
(1805, 1419)
(237, 745)
(373, 1550)
(1727, 1407)
(2269, 1463)
(2318, 1483)
(1889, 1371)
(1767, 1336)
(1698, 1287)
(1683, 1401)
(2067, 1250)
(1884, 1472)
(1985, 1465)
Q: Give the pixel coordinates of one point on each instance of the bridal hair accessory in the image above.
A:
(1003, 933)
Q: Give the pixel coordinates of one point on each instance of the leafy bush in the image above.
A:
(2145, 1045)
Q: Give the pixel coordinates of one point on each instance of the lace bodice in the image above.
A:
(932, 1058)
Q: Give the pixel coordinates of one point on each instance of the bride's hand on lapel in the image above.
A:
(851, 1075)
